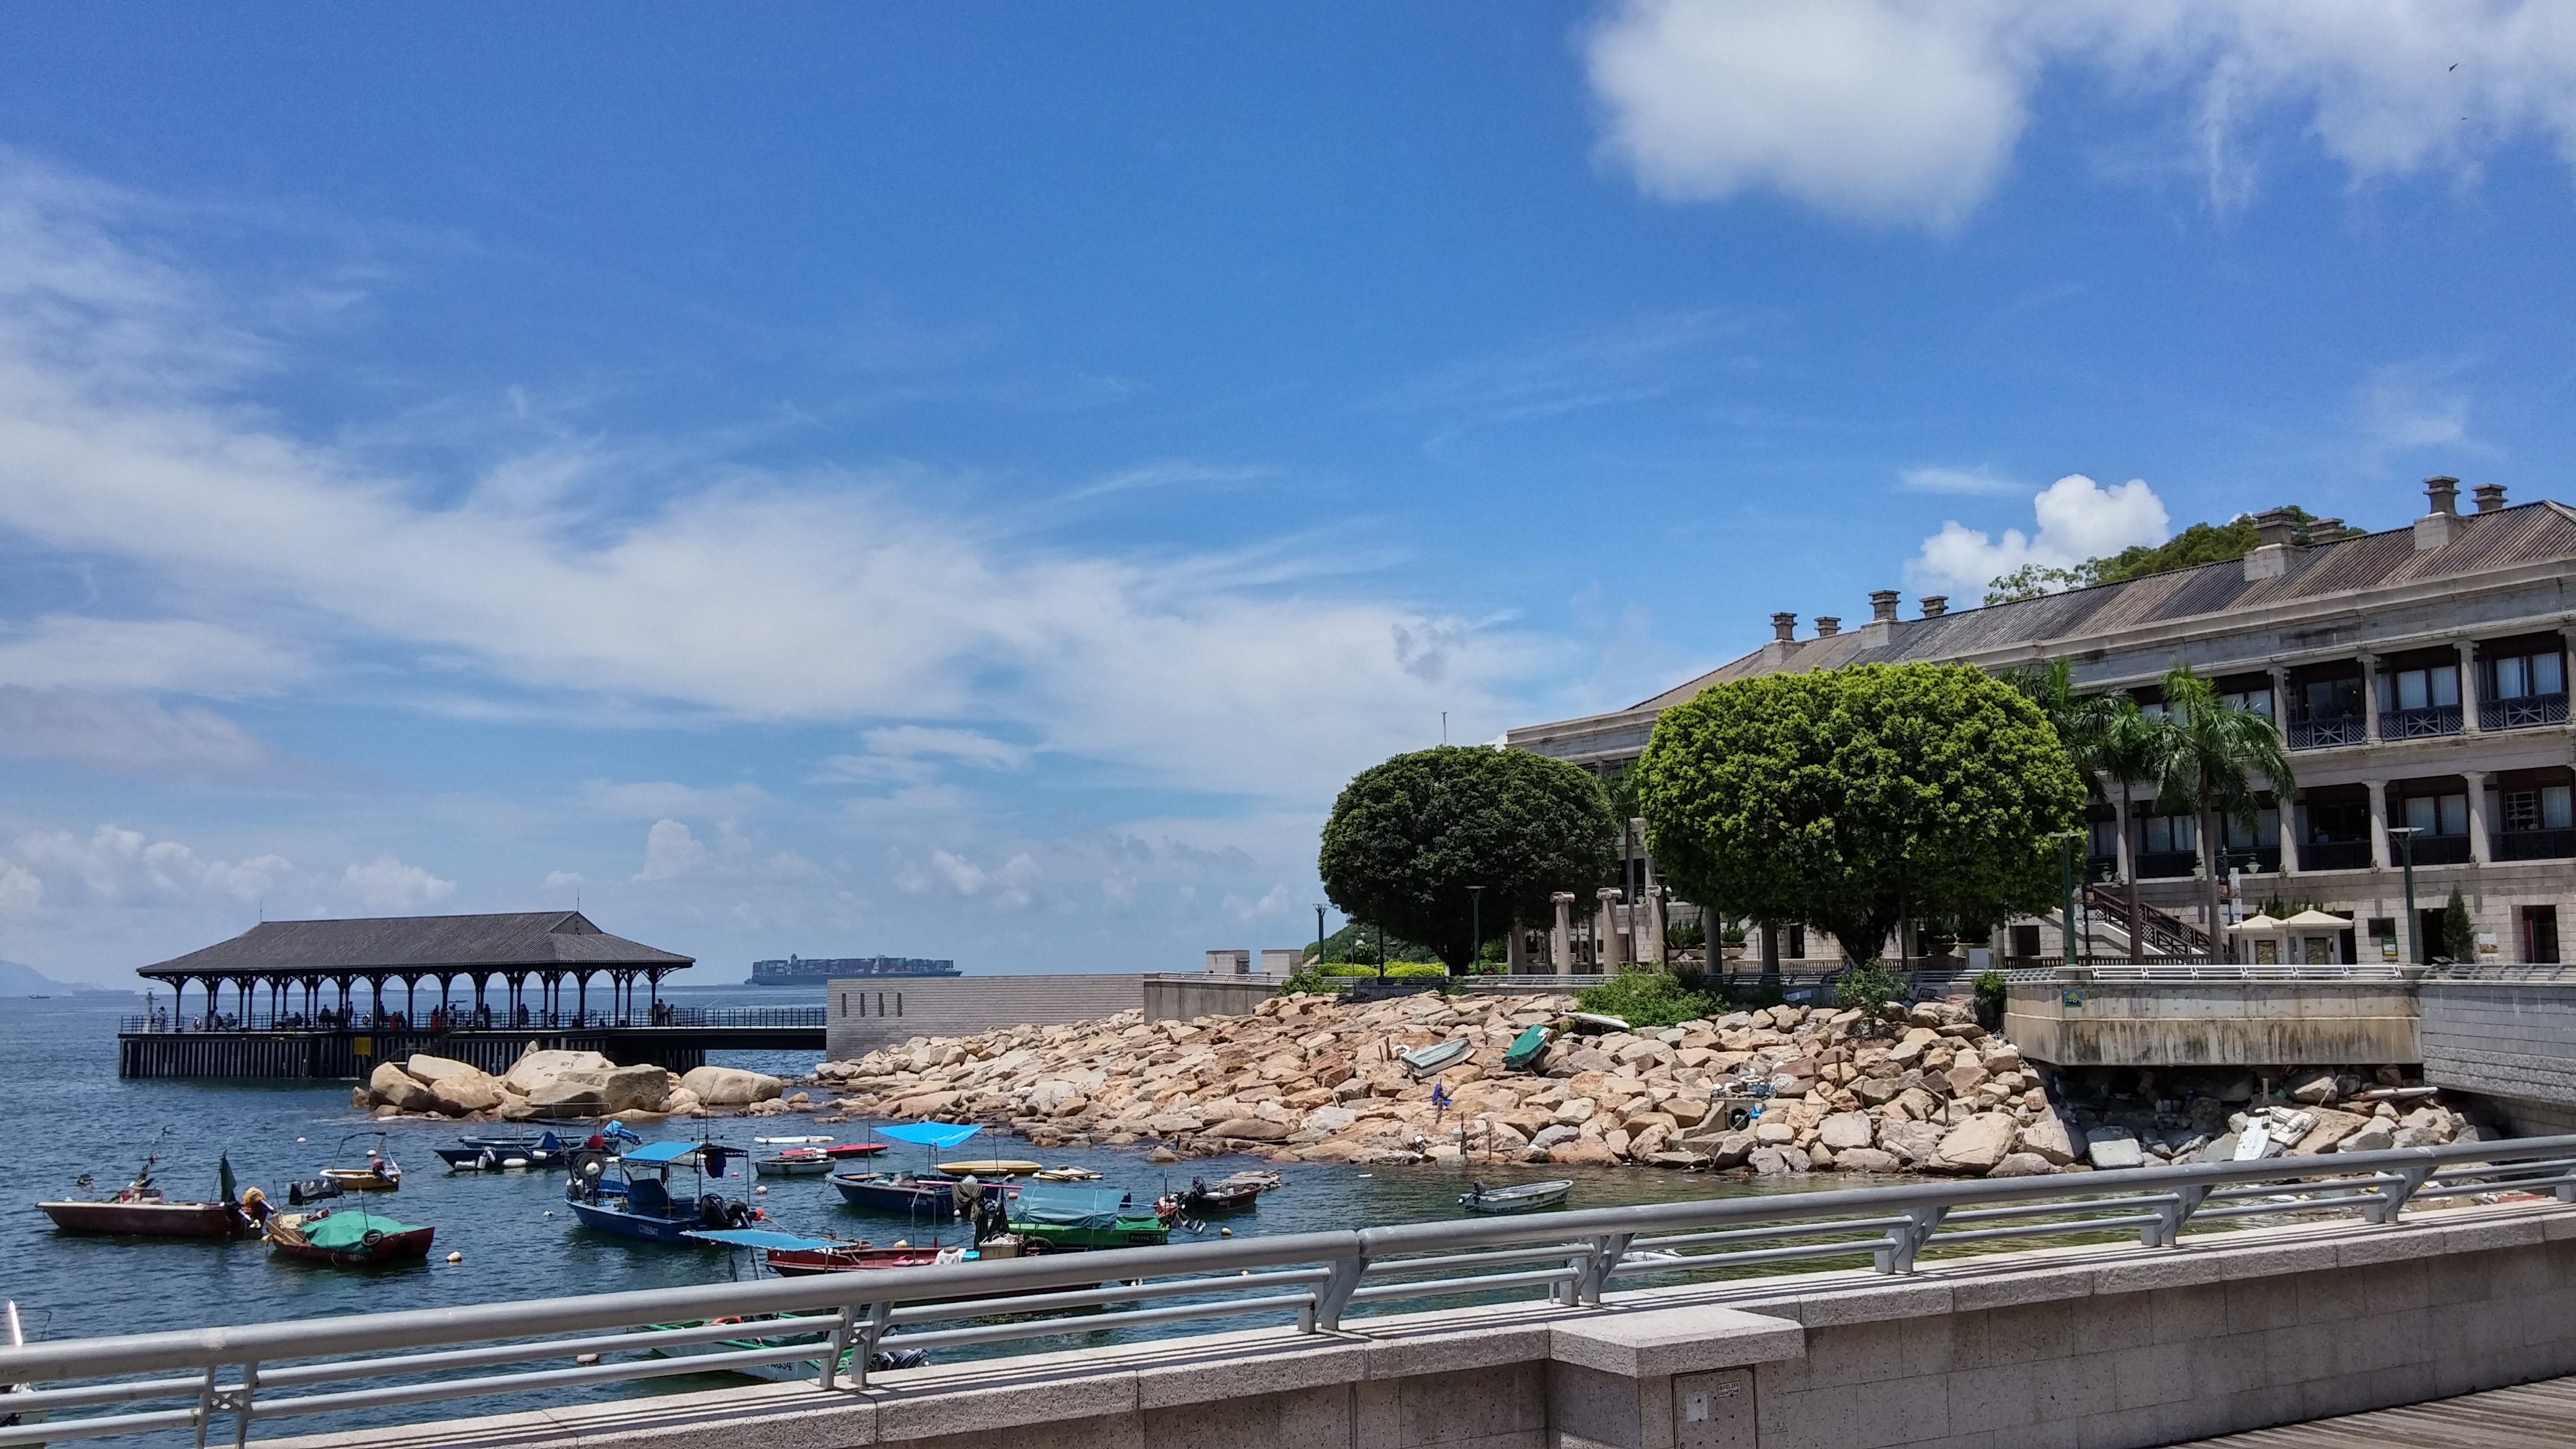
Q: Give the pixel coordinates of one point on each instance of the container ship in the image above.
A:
(802, 971)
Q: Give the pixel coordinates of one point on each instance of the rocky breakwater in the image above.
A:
(1314, 1078)
(558, 1086)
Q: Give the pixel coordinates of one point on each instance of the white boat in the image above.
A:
(1423, 1061)
(1592, 1022)
(1520, 1198)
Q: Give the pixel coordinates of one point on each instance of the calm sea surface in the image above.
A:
(63, 1112)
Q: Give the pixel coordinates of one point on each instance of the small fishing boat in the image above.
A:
(380, 1173)
(1423, 1061)
(630, 1195)
(925, 1199)
(1520, 1198)
(854, 1149)
(347, 1238)
(139, 1210)
(792, 1256)
(1261, 1179)
(1593, 1023)
(992, 1167)
(1527, 1048)
(1075, 1218)
(1207, 1199)
(486, 1154)
(1066, 1173)
(795, 1162)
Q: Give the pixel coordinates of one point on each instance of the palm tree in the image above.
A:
(2125, 751)
(2103, 734)
(2206, 753)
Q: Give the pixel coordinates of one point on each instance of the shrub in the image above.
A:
(1310, 982)
(1869, 988)
(1990, 997)
(1393, 968)
(1647, 997)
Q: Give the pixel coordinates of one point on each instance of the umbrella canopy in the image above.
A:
(930, 1134)
(2257, 922)
(2314, 919)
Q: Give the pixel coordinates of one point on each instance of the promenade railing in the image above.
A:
(219, 1381)
(677, 1017)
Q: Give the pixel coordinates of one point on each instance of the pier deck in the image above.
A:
(2526, 1416)
(324, 1054)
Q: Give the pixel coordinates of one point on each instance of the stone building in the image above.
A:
(2419, 677)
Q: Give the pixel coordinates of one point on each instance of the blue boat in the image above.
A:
(502, 1154)
(925, 1196)
(630, 1195)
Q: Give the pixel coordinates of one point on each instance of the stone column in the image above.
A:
(2370, 700)
(1651, 949)
(2379, 855)
(2477, 783)
(1607, 931)
(2469, 697)
(1560, 942)
(2289, 813)
(1516, 948)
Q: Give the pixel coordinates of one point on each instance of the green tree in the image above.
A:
(2108, 736)
(2459, 933)
(1836, 797)
(2206, 754)
(2202, 543)
(1408, 837)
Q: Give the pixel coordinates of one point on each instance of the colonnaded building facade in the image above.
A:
(2419, 677)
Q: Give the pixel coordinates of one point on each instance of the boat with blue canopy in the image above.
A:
(630, 1194)
(929, 1195)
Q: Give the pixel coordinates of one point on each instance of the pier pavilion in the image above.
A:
(307, 973)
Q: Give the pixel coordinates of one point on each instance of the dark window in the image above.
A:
(2330, 698)
(2540, 933)
(1798, 942)
(2349, 821)
(2025, 940)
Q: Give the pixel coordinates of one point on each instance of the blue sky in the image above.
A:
(973, 481)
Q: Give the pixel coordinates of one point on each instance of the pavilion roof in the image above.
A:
(531, 940)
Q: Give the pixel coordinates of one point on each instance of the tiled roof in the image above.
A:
(533, 939)
(2527, 533)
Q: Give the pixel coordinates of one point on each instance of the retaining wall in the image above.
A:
(2092, 1347)
(869, 1012)
(2091, 1023)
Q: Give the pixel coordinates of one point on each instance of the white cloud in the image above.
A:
(119, 731)
(557, 880)
(2078, 519)
(71, 652)
(388, 884)
(656, 799)
(964, 746)
(1908, 111)
(115, 866)
(1013, 883)
(670, 852)
(821, 597)
(21, 890)
(1980, 479)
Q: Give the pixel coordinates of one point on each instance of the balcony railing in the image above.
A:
(2420, 724)
(2323, 734)
(2166, 864)
(2441, 850)
(2528, 712)
(2535, 844)
(2335, 855)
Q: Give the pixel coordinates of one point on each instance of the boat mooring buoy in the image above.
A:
(760, 1192)
(456, 1257)
(1225, 1232)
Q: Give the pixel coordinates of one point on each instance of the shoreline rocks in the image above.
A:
(559, 1086)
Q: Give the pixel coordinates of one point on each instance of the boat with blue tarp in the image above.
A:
(929, 1195)
(630, 1194)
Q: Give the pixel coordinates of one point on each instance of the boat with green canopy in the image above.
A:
(1084, 1218)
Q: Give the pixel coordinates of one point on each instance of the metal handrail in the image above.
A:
(227, 1378)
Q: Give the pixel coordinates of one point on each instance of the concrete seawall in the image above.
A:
(2076, 1346)
(2091, 1023)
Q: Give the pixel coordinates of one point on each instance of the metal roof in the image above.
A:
(537, 940)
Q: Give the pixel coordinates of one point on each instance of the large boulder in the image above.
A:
(2113, 1148)
(640, 1088)
(434, 1070)
(393, 1087)
(1582, 1152)
(1866, 1159)
(569, 1094)
(1912, 1142)
(2022, 1164)
(535, 1068)
(734, 1087)
(467, 1091)
(2375, 1137)
(1976, 1144)
(2332, 1127)
(1844, 1130)
(1250, 1129)
(2049, 1140)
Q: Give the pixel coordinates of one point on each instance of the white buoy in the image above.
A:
(456, 1257)
(760, 1192)
(550, 1212)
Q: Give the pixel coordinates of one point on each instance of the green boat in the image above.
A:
(1527, 1047)
(1080, 1218)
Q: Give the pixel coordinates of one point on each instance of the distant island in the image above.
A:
(21, 980)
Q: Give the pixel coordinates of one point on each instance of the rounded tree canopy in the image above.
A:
(1407, 839)
(1841, 797)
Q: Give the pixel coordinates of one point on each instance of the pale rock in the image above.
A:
(1914, 1142)
(424, 1067)
(2113, 1148)
(467, 1091)
(1845, 1130)
(1581, 1152)
(569, 1094)
(1548, 1137)
(1330, 1119)
(1772, 1133)
(1617, 1140)
(1249, 1129)
(1575, 1111)
(2022, 1164)
(1976, 1144)
(1867, 1159)
(1769, 1161)
(639, 1088)
(1173, 1124)
(393, 1087)
(2316, 1089)
(682, 1102)
(2332, 1127)
(535, 1068)
(2049, 1139)
(2377, 1136)
(734, 1087)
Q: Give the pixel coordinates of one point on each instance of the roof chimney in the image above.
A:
(1784, 627)
(1827, 626)
(2326, 530)
(2436, 528)
(2490, 497)
(1935, 605)
(2277, 527)
(1882, 606)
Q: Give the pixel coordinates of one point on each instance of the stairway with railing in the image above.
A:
(2163, 933)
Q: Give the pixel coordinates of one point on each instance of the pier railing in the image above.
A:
(218, 1382)
(676, 1017)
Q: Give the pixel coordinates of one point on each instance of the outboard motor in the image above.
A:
(711, 1211)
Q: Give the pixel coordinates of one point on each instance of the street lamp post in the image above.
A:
(2414, 923)
(1476, 920)
(1319, 935)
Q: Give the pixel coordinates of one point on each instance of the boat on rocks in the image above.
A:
(1527, 1048)
(1518, 1198)
(1076, 1218)
(347, 1238)
(630, 1194)
(1423, 1061)
(139, 1210)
